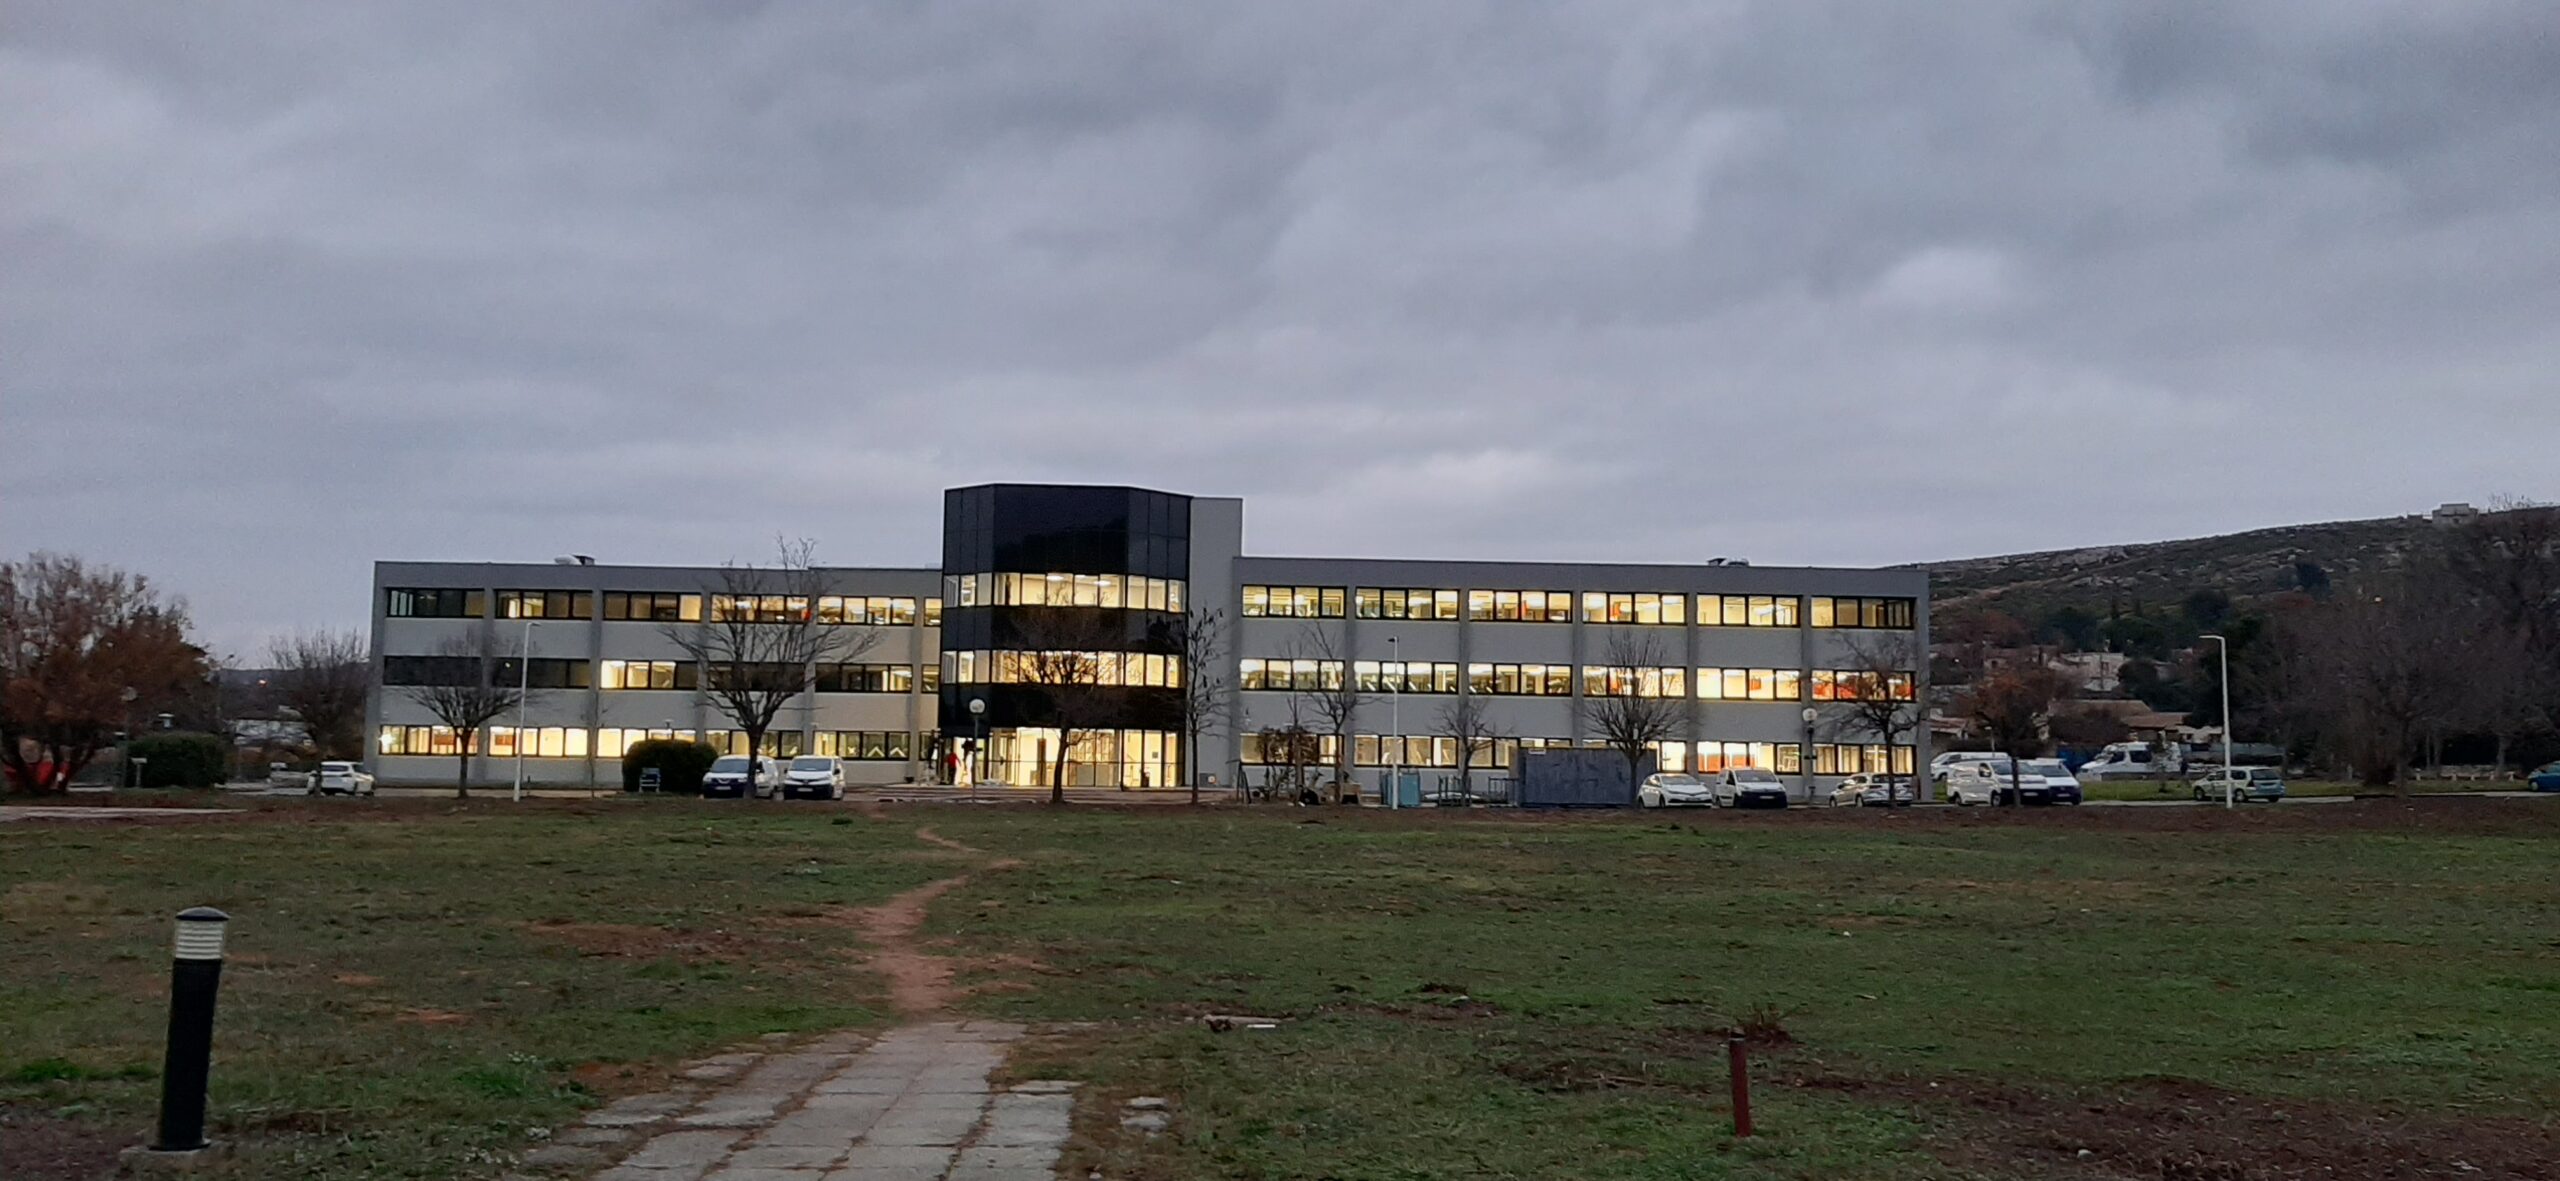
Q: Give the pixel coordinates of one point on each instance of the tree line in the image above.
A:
(2455, 646)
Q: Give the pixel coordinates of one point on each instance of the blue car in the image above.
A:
(2545, 778)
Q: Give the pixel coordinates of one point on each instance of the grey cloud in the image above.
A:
(292, 289)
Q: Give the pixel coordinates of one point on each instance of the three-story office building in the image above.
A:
(1051, 642)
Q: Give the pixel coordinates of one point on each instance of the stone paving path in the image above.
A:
(915, 1105)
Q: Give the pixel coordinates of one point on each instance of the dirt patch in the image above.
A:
(356, 980)
(920, 982)
(430, 1017)
(2167, 1129)
(36, 1146)
(631, 941)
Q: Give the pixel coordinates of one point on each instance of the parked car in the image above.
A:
(1947, 760)
(1967, 784)
(2545, 778)
(2061, 787)
(1867, 789)
(816, 777)
(2240, 783)
(1749, 787)
(2131, 760)
(340, 779)
(1673, 789)
(732, 776)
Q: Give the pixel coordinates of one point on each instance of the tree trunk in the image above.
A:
(1058, 770)
(462, 771)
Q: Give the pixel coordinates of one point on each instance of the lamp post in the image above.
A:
(524, 683)
(978, 746)
(1812, 715)
(2223, 647)
(1395, 722)
(124, 753)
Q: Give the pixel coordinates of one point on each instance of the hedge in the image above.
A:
(681, 763)
(181, 759)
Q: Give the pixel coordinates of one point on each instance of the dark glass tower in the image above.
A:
(1062, 613)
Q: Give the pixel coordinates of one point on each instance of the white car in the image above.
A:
(1672, 789)
(340, 779)
(1750, 787)
(816, 777)
(1967, 784)
(2060, 785)
(1868, 789)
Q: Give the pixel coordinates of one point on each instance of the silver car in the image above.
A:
(1673, 789)
(1867, 789)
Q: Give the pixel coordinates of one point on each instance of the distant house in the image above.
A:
(2453, 515)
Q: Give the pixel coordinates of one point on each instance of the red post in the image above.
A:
(1741, 1086)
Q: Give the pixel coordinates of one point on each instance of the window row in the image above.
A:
(1521, 680)
(1863, 685)
(1292, 602)
(1504, 606)
(1750, 684)
(861, 610)
(1747, 610)
(1831, 758)
(1274, 748)
(1371, 602)
(875, 678)
(653, 606)
(1606, 607)
(651, 674)
(435, 603)
(542, 673)
(1888, 614)
(541, 742)
(1624, 681)
(1404, 676)
(873, 746)
(1140, 669)
(1286, 674)
(1131, 592)
(546, 604)
(661, 606)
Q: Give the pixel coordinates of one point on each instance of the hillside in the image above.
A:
(2246, 565)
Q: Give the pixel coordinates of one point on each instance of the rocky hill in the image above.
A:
(2155, 574)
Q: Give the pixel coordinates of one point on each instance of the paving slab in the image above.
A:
(847, 1107)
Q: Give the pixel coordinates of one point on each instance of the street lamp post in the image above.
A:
(1812, 715)
(1395, 722)
(978, 747)
(524, 683)
(2223, 647)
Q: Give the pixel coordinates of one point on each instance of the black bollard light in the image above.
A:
(195, 975)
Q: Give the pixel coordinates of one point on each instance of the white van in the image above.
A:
(2130, 760)
(1954, 758)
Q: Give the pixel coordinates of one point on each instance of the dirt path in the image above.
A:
(919, 981)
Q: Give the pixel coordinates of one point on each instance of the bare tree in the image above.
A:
(763, 636)
(83, 650)
(466, 694)
(2510, 559)
(1464, 722)
(2389, 666)
(1631, 723)
(322, 676)
(2011, 707)
(1882, 699)
(1331, 706)
(1204, 686)
(1061, 656)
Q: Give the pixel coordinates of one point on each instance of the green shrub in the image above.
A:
(680, 763)
(180, 759)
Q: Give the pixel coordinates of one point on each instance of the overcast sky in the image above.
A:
(289, 288)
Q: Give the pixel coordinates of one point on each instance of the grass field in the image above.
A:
(1463, 995)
